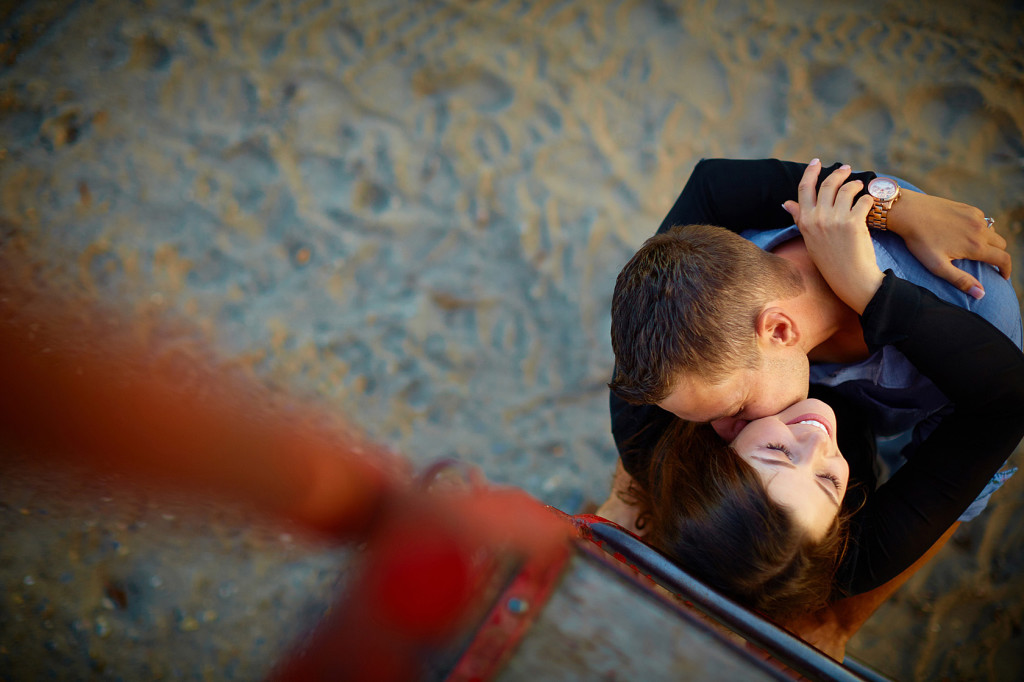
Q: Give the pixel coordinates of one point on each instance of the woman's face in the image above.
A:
(796, 455)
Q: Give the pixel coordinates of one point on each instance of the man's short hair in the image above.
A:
(687, 302)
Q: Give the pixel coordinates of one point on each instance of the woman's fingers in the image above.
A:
(807, 191)
(995, 239)
(830, 187)
(793, 209)
(863, 207)
(846, 194)
(997, 256)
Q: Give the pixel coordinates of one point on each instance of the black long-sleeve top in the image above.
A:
(981, 371)
(975, 365)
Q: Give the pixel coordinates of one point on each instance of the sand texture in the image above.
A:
(414, 212)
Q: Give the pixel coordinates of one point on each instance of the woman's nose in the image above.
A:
(817, 442)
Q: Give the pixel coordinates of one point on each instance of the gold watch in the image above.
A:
(884, 192)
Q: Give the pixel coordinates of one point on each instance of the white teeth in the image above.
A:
(814, 423)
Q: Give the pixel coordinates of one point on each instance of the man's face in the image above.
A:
(746, 394)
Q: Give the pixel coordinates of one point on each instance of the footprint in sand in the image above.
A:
(946, 110)
(960, 116)
(835, 86)
(482, 90)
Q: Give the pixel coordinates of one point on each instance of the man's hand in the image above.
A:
(835, 231)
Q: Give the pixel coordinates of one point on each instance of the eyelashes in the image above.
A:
(830, 477)
(834, 479)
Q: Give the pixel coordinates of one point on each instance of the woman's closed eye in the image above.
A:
(834, 479)
(830, 477)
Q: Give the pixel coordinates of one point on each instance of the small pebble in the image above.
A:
(102, 627)
(188, 624)
(29, 580)
(156, 581)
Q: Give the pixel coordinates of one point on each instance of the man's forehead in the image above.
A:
(697, 399)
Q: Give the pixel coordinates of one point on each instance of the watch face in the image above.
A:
(882, 189)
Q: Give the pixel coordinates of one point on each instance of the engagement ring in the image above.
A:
(989, 222)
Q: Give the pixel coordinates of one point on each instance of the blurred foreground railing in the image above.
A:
(455, 581)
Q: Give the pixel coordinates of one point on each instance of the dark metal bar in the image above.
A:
(783, 646)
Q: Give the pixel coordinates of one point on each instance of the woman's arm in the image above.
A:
(977, 367)
(982, 373)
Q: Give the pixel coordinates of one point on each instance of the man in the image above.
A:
(707, 327)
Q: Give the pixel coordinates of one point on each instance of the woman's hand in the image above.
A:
(938, 231)
(835, 231)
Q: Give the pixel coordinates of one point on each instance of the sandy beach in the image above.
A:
(413, 213)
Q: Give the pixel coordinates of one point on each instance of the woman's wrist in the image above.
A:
(900, 218)
(858, 293)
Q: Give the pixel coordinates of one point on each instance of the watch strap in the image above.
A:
(878, 216)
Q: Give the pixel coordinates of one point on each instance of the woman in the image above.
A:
(775, 519)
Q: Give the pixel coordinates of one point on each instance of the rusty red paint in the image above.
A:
(503, 628)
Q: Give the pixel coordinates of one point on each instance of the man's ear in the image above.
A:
(775, 327)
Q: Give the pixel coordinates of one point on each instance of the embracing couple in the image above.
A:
(808, 394)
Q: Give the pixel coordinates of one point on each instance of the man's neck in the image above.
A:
(830, 330)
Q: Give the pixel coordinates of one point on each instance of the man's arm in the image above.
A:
(741, 194)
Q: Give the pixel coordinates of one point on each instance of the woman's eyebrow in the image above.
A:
(776, 462)
(787, 463)
(831, 495)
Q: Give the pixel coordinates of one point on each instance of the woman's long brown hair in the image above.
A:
(708, 510)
